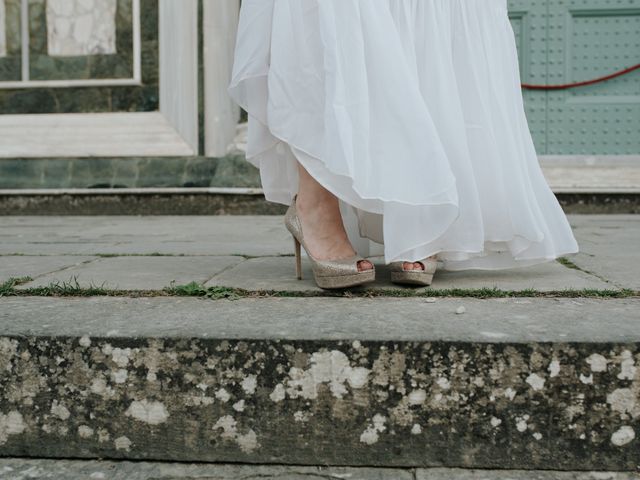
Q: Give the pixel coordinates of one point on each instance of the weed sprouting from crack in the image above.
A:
(195, 289)
(8, 287)
(71, 288)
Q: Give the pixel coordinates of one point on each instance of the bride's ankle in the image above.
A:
(306, 202)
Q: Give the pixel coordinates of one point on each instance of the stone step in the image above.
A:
(23, 469)
(529, 384)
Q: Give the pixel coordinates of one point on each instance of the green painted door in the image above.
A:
(566, 41)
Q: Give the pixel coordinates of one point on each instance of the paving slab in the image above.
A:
(139, 273)
(189, 235)
(278, 273)
(610, 247)
(608, 244)
(385, 382)
(459, 474)
(25, 469)
(546, 277)
(35, 266)
(263, 273)
(267, 273)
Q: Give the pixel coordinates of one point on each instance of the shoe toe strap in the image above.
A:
(354, 262)
(344, 266)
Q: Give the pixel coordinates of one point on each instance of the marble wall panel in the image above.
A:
(42, 66)
(81, 27)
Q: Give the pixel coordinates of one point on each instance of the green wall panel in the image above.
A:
(594, 38)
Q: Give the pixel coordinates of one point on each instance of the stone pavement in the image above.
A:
(255, 253)
(540, 373)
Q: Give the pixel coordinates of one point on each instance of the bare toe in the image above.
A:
(364, 265)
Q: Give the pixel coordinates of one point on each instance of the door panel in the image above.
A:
(529, 21)
(564, 41)
(593, 38)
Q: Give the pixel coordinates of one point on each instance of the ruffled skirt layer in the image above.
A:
(411, 112)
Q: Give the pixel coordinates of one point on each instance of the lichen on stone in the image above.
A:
(248, 399)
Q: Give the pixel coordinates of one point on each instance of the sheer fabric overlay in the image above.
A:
(411, 112)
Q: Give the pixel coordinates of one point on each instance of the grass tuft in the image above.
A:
(72, 288)
(8, 287)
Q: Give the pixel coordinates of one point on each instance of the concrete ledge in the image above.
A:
(19, 469)
(123, 202)
(509, 383)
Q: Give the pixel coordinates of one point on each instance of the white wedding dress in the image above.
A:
(411, 112)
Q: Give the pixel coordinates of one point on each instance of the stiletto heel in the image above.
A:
(422, 278)
(296, 244)
(342, 273)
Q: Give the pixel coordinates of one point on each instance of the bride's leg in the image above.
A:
(319, 213)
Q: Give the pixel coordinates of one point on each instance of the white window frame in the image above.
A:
(171, 131)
